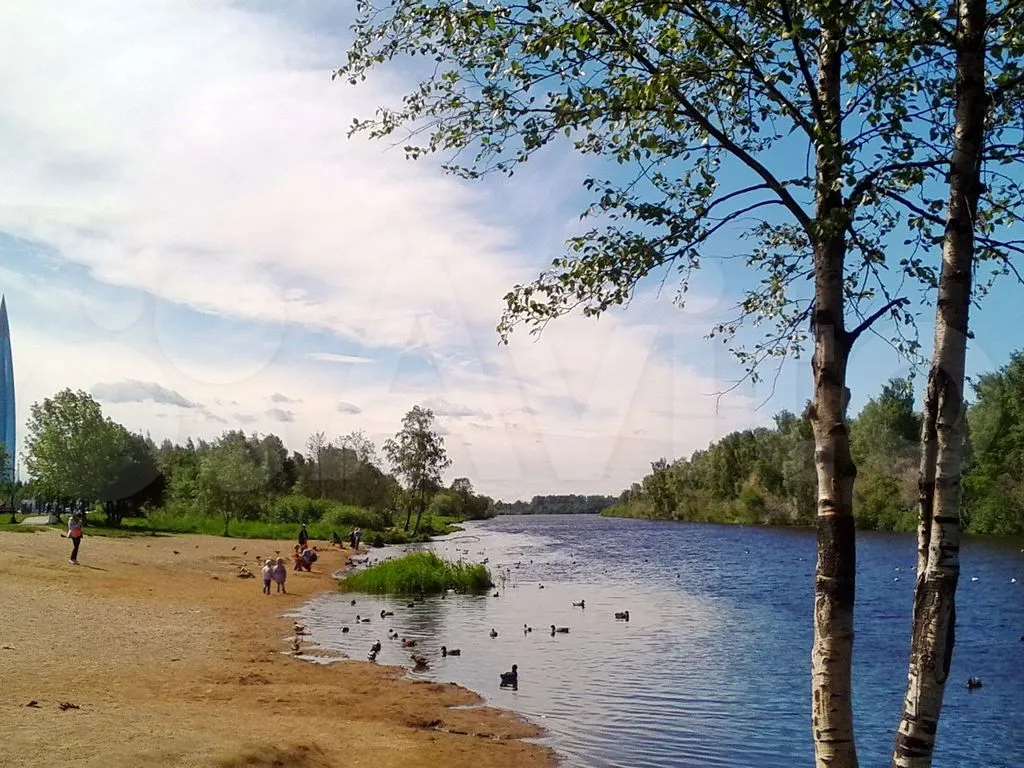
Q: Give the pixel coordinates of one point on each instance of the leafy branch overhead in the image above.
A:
(713, 112)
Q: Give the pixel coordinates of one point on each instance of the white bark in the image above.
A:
(934, 605)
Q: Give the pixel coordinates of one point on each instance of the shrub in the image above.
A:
(420, 573)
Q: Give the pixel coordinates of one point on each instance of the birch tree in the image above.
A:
(981, 204)
(710, 108)
(417, 455)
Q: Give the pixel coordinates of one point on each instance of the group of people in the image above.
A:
(303, 557)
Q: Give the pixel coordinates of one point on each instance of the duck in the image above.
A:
(973, 683)
(353, 602)
(296, 644)
(497, 595)
(300, 629)
(372, 656)
(540, 586)
(362, 619)
(411, 605)
(622, 615)
(452, 652)
(344, 630)
(580, 604)
(420, 663)
(559, 630)
(407, 643)
(494, 632)
(385, 614)
(510, 679)
(375, 648)
(527, 629)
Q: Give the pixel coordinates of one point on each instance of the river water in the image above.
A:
(713, 668)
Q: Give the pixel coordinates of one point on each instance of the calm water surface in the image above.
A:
(713, 668)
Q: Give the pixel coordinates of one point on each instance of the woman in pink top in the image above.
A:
(75, 534)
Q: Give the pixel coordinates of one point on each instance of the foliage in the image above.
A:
(418, 574)
(418, 456)
(766, 476)
(564, 504)
(994, 482)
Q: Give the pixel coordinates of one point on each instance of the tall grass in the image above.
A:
(419, 573)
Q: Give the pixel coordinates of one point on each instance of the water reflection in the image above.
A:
(712, 668)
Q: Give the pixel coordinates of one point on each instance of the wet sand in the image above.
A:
(172, 660)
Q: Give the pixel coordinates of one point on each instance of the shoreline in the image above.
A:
(172, 659)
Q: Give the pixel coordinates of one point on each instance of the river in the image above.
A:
(713, 667)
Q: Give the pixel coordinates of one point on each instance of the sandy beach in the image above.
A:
(171, 660)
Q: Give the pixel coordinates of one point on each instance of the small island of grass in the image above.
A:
(419, 573)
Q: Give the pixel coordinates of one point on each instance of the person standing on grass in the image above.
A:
(303, 537)
(75, 534)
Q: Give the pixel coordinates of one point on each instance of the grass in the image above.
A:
(418, 574)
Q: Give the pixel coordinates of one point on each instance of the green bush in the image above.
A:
(420, 573)
(343, 516)
(295, 508)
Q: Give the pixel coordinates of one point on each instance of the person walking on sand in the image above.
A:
(303, 537)
(280, 575)
(268, 576)
(75, 534)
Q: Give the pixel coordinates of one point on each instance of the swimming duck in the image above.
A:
(510, 679)
(385, 614)
(527, 629)
(406, 643)
(497, 595)
(353, 602)
(623, 615)
(375, 648)
(362, 619)
(580, 604)
(452, 652)
(420, 663)
(540, 586)
(411, 605)
(973, 683)
(344, 630)
(559, 630)
(494, 632)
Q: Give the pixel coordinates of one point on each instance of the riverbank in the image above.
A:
(171, 660)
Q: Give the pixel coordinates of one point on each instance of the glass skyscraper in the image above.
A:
(8, 435)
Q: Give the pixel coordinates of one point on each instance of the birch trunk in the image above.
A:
(832, 654)
(934, 604)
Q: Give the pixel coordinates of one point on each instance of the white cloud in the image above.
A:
(224, 183)
(330, 357)
(131, 391)
(281, 414)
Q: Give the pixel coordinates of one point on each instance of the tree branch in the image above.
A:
(701, 119)
(852, 336)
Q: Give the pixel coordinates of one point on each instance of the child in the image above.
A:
(280, 574)
(268, 576)
(75, 534)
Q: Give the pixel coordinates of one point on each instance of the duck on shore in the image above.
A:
(511, 679)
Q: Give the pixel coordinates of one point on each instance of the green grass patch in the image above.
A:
(418, 574)
(19, 528)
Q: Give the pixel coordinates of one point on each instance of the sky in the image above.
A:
(187, 233)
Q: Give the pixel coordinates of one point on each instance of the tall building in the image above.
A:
(8, 435)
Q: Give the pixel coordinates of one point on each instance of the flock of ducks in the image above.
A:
(421, 663)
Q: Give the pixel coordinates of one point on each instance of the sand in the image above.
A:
(171, 660)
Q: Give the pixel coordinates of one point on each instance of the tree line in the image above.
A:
(75, 453)
(557, 504)
(766, 476)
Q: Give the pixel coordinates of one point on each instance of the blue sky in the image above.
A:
(186, 232)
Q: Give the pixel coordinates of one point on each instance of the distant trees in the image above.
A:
(766, 476)
(557, 504)
(230, 480)
(418, 456)
(994, 482)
